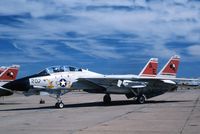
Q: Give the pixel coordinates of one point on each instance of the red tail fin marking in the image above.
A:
(9, 73)
(171, 67)
(151, 68)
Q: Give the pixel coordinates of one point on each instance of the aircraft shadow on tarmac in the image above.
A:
(13, 103)
(97, 104)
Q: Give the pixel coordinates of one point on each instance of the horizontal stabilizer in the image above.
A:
(5, 92)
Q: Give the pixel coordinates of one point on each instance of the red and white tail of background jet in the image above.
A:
(171, 68)
(150, 69)
(8, 73)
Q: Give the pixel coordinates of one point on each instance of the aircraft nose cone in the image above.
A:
(18, 85)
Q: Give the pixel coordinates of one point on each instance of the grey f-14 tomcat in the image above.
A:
(58, 80)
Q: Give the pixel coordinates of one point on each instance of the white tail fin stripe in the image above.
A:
(148, 75)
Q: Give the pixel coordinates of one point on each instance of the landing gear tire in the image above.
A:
(56, 105)
(107, 99)
(141, 99)
(59, 105)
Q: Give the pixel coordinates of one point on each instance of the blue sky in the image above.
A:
(111, 37)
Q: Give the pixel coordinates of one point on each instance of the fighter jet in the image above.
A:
(7, 74)
(56, 81)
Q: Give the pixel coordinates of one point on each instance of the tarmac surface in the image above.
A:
(171, 113)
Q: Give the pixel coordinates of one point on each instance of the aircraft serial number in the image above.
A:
(35, 81)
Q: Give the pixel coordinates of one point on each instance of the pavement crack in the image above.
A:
(188, 118)
(114, 118)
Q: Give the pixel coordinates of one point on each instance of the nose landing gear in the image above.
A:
(59, 103)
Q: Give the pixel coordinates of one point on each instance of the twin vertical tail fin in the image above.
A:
(9, 73)
(171, 68)
(150, 69)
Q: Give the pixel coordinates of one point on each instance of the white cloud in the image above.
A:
(194, 50)
(34, 8)
(39, 51)
(140, 2)
(160, 50)
(94, 49)
(155, 24)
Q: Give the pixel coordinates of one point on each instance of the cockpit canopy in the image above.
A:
(56, 69)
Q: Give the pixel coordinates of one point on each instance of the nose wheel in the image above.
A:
(107, 99)
(59, 103)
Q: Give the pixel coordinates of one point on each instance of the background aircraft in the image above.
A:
(7, 74)
(58, 80)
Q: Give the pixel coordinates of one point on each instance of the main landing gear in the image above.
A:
(141, 99)
(107, 99)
